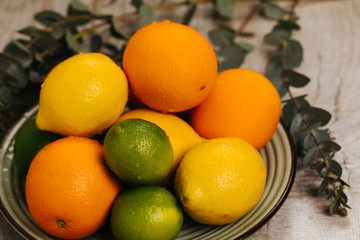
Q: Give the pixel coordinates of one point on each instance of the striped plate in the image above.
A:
(278, 156)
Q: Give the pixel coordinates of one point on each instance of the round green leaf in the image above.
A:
(5, 98)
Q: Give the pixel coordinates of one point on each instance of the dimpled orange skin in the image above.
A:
(170, 67)
(243, 103)
(69, 182)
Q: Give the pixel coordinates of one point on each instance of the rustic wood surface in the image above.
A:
(330, 36)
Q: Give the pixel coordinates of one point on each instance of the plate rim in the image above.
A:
(13, 223)
(284, 195)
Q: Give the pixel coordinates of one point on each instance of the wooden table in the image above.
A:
(330, 33)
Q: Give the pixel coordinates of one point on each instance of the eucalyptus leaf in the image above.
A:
(273, 68)
(78, 6)
(189, 14)
(314, 114)
(273, 11)
(319, 134)
(224, 8)
(334, 206)
(221, 37)
(295, 79)
(18, 73)
(276, 37)
(48, 17)
(58, 31)
(5, 98)
(279, 85)
(244, 46)
(286, 25)
(321, 168)
(246, 34)
(293, 54)
(232, 56)
(309, 129)
(18, 51)
(296, 126)
(311, 155)
(146, 13)
(323, 186)
(290, 108)
(30, 31)
(71, 41)
(95, 43)
(335, 166)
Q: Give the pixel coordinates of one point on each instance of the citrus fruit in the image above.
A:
(243, 103)
(148, 213)
(82, 96)
(29, 140)
(138, 151)
(220, 180)
(170, 66)
(69, 190)
(182, 136)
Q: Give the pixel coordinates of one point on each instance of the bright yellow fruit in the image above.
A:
(220, 180)
(82, 96)
(182, 136)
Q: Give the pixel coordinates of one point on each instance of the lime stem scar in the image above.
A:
(61, 223)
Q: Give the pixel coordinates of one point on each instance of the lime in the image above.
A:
(147, 212)
(28, 142)
(138, 151)
(182, 136)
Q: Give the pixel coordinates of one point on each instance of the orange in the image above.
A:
(243, 103)
(182, 136)
(170, 67)
(69, 190)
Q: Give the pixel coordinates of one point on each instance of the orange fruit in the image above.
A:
(243, 103)
(170, 67)
(69, 190)
(182, 136)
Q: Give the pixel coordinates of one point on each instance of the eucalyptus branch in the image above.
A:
(303, 120)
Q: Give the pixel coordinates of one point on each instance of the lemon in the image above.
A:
(29, 141)
(82, 96)
(182, 136)
(138, 151)
(148, 212)
(220, 180)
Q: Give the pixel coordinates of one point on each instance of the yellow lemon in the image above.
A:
(182, 136)
(82, 96)
(220, 180)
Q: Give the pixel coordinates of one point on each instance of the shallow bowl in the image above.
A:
(278, 155)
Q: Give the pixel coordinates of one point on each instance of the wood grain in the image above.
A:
(330, 33)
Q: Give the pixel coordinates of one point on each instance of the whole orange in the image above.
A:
(243, 103)
(170, 66)
(69, 190)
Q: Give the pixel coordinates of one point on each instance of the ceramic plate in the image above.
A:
(278, 156)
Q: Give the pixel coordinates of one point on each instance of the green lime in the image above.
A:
(29, 140)
(147, 212)
(138, 151)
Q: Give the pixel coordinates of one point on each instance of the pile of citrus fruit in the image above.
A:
(191, 148)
